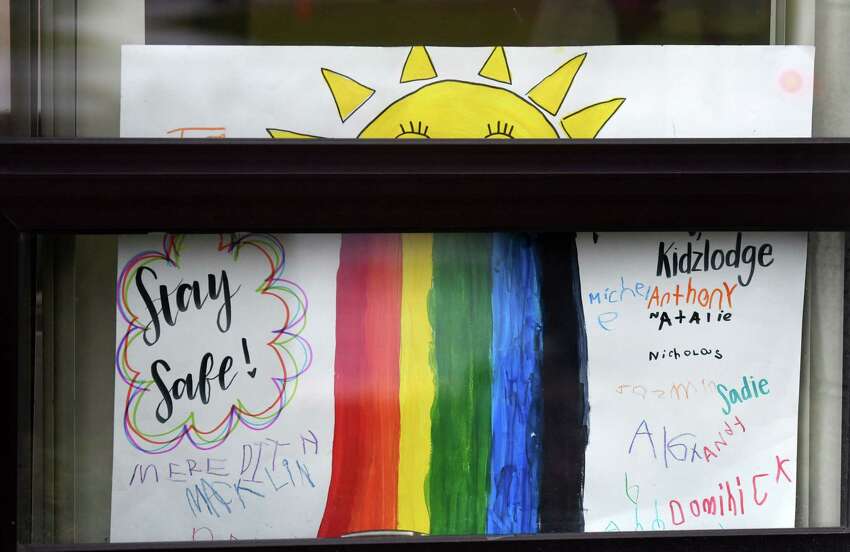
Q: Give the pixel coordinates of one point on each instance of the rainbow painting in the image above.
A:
(459, 401)
(336, 385)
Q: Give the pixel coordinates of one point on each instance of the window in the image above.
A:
(236, 322)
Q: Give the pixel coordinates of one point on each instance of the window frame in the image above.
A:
(134, 185)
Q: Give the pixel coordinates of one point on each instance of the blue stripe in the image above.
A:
(516, 398)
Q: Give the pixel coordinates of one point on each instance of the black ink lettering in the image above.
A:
(163, 390)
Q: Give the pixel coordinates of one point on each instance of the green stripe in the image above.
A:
(461, 315)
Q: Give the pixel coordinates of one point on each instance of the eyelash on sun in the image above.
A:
(417, 130)
(503, 130)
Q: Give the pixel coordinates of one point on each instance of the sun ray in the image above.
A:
(496, 67)
(287, 134)
(418, 66)
(348, 94)
(587, 122)
(549, 93)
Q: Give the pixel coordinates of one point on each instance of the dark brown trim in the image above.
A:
(163, 157)
(13, 462)
(686, 541)
(136, 185)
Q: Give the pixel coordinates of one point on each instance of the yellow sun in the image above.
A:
(462, 109)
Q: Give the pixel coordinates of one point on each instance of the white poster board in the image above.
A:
(536, 92)
(222, 449)
(645, 414)
(693, 369)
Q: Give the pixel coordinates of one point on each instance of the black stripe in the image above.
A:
(564, 376)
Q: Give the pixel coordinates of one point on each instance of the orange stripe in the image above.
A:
(363, 491)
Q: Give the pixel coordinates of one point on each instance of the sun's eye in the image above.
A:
(413, 131)
(501, 131)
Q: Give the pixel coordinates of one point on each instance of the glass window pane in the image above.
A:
(319, 385)
(77, 80)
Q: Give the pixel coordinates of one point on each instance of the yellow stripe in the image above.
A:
(416, 383)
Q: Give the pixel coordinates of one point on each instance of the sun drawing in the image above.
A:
(461, 109)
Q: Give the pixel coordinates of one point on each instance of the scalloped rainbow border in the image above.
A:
(292, 351)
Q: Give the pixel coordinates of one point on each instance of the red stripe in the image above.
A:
(364, 477)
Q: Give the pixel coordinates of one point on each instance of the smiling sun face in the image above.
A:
(455, 109)
(461, 109)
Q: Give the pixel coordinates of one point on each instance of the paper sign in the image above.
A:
(451, 92)
(693, 344)
(224, 406)
(325, 385)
